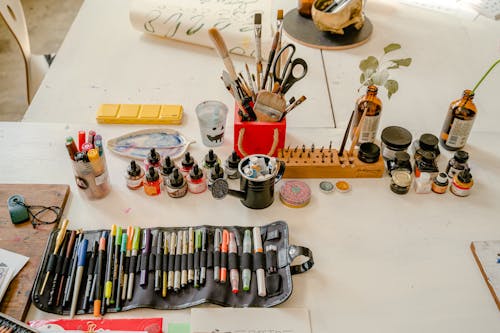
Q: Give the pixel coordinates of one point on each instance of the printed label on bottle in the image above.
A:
(459, 132)
(197, 187)
(134, 183)
(369, 130)
(453, 171)
(177, 192)
(101, 179)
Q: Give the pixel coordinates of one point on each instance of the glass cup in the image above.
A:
(212, 120)
(92, 178)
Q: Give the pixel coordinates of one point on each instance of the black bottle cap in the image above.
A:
(175, 178)
(428, 156)
(188, 160)
(153, 156)
(133, 169)
(195, 172)
(233, 160)
(368, 152)
(429, 142)
(216, 171)
(152, 175)
(401, 157)
(210, 159)
(464, 176)
(396, 137)
(461, 156)
(168, 166)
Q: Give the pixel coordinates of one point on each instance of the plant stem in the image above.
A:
(485, 75)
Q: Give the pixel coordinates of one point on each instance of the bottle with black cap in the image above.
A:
(215, 173)
(134, 176)
(231, 166)
(427, 142)
(176, 185)
(166, 169)
(187, 164)
(153, 159)
(426, 163)
(152, 182)
(462, 183)
(196, 180)
(457, 163)
(210, 159)
(401, 161)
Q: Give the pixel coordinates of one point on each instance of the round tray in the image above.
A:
(303, 31)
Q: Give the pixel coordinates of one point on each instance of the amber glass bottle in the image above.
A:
(458, 122)
(372, 106)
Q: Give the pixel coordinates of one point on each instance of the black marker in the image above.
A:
(157, 241)
(90, 276)
(146, 250)
(203, 258)
(72, 271)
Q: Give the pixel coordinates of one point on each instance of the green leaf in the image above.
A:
(362, 78)
(402, 62)
(391, 47)
(370, 63)
(393, 66)
(391, 86)
(379, 78)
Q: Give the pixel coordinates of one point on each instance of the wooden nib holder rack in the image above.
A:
(302, 162)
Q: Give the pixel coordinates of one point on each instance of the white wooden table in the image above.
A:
(383, 262)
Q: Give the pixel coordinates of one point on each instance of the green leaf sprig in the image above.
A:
(376, 71)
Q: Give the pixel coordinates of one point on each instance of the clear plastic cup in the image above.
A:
(212, 120)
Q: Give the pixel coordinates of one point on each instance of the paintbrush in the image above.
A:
(292, 106)
(357, 132)
(250, 81)
(221, 48)
(279, 29)
(346, 135)
(271, 59)
(257, 21)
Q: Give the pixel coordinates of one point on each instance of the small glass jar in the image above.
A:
(401, 161)
(210, 159)
(368, 152)
(176, 185)
(394, 139)
(134, 176)
(196, 180)
(166, 169)
(440, 183)
(457, 163)
(215, 173)
(427, 142)
(423, 184)
(152, 183)
(462, 183)
(231, 166)
(152, 160)
(400, 181)
(187, 164)
(425, 162)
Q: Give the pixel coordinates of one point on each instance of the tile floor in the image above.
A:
(48, 22)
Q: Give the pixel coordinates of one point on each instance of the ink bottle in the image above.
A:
(394, 139)
(166, 169)
(231, 166)
(187, 164)
(400, 181)
(368, 152)
(457, 163)
(196, 180)
(425, 162)
(426, 142)
(210, 159)
(440, 183)
(458, 122)
(423, 184)
(152, 182)
(462, 183)
(215, 173)
(152, 160)
(401, 161)
(134, 176)
(176, 185)
(371, 106)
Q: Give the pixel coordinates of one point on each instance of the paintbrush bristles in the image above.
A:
(280, 14)
(257, 19)
(219, 43)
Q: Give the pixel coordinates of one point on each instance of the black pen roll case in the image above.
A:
(274, 236)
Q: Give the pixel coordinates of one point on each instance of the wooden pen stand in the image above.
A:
(304, 162)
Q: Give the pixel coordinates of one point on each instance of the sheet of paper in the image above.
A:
(10, 264)
(250, 320)
(190, 20)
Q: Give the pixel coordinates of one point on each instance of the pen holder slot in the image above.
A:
(278, 281)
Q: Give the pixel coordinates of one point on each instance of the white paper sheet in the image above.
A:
(190, 20)
(10, 264)
(250, 320)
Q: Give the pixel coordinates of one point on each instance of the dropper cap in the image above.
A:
(195, 172)
(175, 178)
(233, 160)
(216, 172)
(188, 160)
(461, 156)
(133, 169)
(168, 166)
(465, 176)
(152, 175)
(153, 156)
(210, 159)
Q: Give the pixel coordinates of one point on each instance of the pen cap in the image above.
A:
(130, 237)
(198, 239)
(102, 243)
(225, 240)
(137, 235)
(118, 238)
(82, 252)
(124, 243)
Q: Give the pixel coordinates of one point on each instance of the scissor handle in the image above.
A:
(290, 78)
(279, 77)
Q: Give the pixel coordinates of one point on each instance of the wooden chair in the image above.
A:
(11, 11)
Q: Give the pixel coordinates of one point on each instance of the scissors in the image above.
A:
(287, 77)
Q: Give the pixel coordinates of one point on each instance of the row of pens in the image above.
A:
(178, 258)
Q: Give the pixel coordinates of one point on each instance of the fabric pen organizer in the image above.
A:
(193, 268)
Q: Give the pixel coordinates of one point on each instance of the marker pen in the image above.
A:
(146, 250)
(121, 284)
(233, 263)
(126, 264)
(116, 265)
(72, 271)
(157, 242)
(223, 256)
(246, 275)
(217, 244)
(109, 264)
(184, 261)
(261, 278)
(66, 265)
(178, 259)
(164, 264)
(71, 147)
(197, 250)
(133, 262)
(81, 139)
(90, 276)
(82, 256)
(172, 259)
(203, 257)
(190, 265)
(100, 267)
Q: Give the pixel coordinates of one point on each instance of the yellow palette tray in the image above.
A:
(162, 114)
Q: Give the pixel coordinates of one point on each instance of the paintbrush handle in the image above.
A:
(221, 48)
(230, 68)
(271, 59)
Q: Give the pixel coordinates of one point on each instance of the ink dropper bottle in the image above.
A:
(196, 180)
(210, 160)
(134, 176)
(152, 183)
(187, 164)
(215, 173)
(166, 169)
(231, 166)
(176, 185)
(152, 160)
